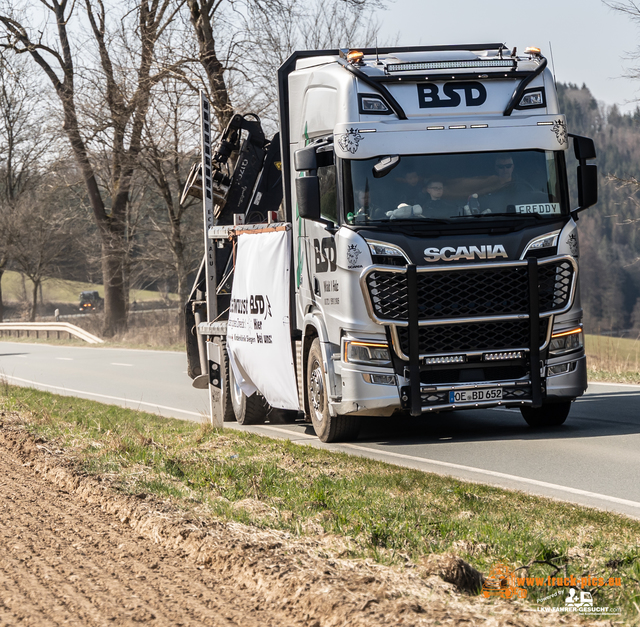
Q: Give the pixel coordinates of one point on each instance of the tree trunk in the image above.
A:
(2, 266)
(34, 301)
(115, 309)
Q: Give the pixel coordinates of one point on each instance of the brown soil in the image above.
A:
(73, 551)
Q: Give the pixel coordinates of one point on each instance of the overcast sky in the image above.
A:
(591, 43)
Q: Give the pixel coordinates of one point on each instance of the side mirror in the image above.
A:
(385, 165)
(308, 197)
(587, 185)
(305, 159)
(583, 147)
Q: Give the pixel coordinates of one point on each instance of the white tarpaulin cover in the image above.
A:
(258, 333)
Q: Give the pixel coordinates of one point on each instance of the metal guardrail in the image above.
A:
(47, 328)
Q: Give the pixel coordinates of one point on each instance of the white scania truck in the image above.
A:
(434, 249)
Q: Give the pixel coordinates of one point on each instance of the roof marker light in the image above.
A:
(479, 126)
(455, 126)
(435, 128)
(545, 123)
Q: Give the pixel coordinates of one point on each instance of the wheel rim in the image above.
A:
(316, 391)
(236, 393)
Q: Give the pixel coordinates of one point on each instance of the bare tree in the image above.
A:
(242, 43)
(24, 139)
(40, 236)
(123, 96)
(171, 141)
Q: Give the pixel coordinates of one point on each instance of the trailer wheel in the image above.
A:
(248, 410)
(328, 428)
(550, 415)
(229, 414)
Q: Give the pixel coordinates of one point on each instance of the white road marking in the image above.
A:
(422, 460)
(112, 398)
(480, 471)
(115, 363)
(621, 385)
(65, 358)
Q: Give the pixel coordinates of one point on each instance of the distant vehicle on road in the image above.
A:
(90, 301)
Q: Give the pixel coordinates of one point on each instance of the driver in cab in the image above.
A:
(509, 189)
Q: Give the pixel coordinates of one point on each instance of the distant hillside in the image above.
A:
(610, 231)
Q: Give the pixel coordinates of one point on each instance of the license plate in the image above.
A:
(473, 396)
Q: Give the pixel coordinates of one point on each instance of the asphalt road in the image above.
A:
(593, 459)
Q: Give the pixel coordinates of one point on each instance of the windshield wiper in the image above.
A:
(537, 216)
(411, 221)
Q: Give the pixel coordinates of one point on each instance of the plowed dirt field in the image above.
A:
(73, 551)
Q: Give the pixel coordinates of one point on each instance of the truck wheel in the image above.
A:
(229, 414)
(328, 428)
(550, 415)
(248, 410)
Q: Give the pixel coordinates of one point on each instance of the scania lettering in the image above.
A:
(431, 254)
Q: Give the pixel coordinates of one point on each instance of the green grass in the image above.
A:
(63, 291)
(387, 513)
(613, 359)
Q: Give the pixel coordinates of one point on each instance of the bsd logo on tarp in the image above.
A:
(257, 306)
(429, 96)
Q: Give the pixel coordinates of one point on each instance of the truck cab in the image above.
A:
(435, 248)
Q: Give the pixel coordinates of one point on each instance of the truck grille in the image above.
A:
(476, 336)
(481, 291)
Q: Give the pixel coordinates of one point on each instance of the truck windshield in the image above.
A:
(456, 187)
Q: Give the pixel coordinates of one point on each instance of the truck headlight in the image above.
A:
(566, 341)
(367, 353)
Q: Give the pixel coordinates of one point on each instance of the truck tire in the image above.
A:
(229, 414)
(248, 410)
(549, 415)
(328, 428)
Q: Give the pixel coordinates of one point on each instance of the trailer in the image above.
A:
(429, 249)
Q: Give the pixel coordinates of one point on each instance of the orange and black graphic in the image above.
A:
(502, 582)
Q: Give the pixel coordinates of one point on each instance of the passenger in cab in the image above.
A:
(434, 205)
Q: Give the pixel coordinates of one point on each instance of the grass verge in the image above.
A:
(393, 515)
(613, 358)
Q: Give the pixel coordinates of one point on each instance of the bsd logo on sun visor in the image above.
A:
(475, 95)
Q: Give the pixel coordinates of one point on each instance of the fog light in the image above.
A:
(559, 369)
(447, 359)
(379, 379)
(502, 356)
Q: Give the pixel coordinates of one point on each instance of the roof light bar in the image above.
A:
(449, 65)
